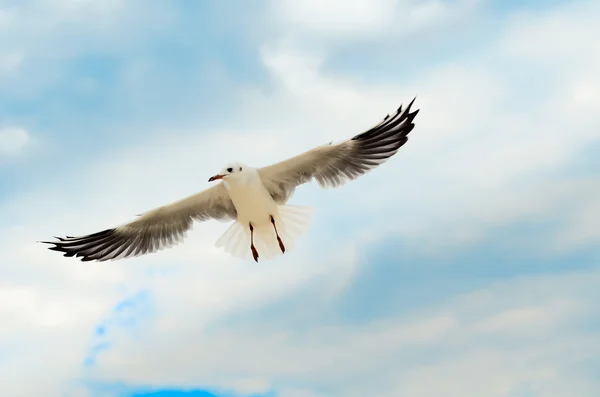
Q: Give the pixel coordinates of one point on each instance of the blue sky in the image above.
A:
(467, 265)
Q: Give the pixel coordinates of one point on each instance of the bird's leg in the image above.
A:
(252, 247)
(281, 246)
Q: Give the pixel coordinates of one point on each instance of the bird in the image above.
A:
(264, 224)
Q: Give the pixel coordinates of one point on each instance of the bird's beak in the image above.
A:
(216, 177)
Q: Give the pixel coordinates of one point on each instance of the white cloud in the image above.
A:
(12, 141)
(521, 342)
(474, 161)
(477, 344)
(336, 17)
(336, 21)
(531, 319)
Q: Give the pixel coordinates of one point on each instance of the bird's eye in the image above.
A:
(229, 169)
(240, 168)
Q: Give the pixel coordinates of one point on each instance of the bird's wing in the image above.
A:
(157, 229)
(334, 165)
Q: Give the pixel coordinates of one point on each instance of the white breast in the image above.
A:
(251, 199)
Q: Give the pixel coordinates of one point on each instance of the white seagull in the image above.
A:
(255, 198)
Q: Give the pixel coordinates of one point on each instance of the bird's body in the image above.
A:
(257, 210)
(256, 199)
(251, 199)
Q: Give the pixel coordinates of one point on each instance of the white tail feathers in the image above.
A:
(292, 221)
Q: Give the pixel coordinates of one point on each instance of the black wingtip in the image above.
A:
(412, 115)
(407, 110)
(410, 104)
(60, 240)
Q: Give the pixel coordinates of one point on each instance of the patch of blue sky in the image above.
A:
(107, 99)
(90, 360)
(95, 94)
(174, 393)
(191, 393)
(126, 314)
(120, 389)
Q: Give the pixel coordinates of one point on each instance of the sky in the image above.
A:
(466, 266)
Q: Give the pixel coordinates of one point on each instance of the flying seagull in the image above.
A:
(254, 198)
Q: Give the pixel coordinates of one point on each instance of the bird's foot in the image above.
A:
(254, 253)
(252, 247)
(281, 246)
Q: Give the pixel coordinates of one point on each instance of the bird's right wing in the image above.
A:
(334, 165)
(159, 228)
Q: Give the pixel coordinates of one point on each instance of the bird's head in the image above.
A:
(229, 170)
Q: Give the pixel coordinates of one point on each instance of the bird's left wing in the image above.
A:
(157, 229)
(334, 165)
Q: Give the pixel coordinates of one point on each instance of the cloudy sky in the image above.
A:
(466, 266)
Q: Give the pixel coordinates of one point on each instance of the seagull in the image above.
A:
(256, 199)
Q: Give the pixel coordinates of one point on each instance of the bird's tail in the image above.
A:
(295, 220)
(292, 221)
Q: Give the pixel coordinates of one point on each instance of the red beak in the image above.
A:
(216, 177)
